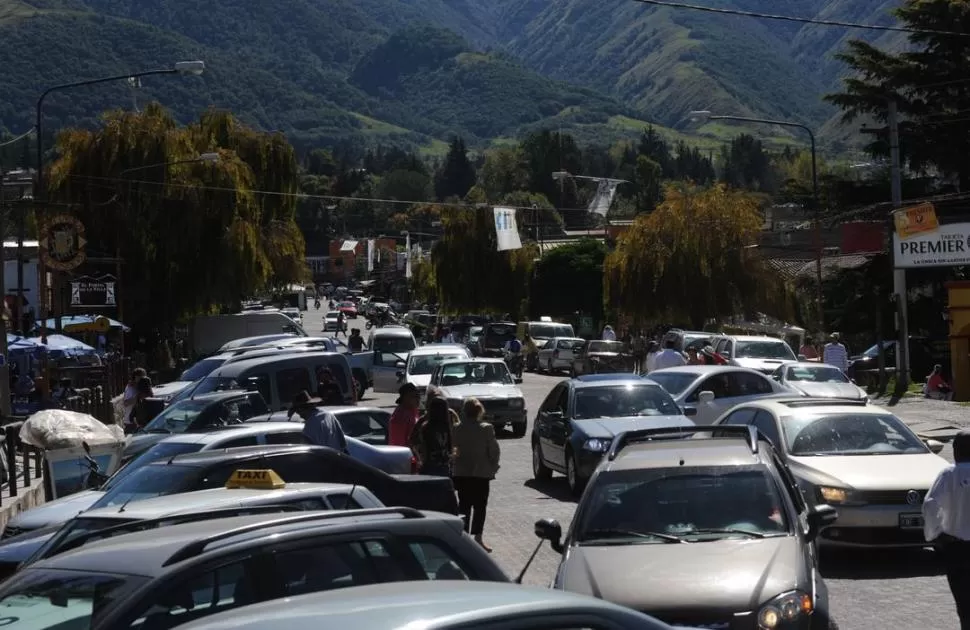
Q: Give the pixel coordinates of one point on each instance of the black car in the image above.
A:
(211, 469)
(580, 417)
(198, 413)
(494, 336)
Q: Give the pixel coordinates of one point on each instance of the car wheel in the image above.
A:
(539, 470)
(576, 484)
(519, 429)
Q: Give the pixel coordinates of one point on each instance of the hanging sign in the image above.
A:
(506, 229)
(62, 243)
(916, 220)
(87, 292)
(947, 246)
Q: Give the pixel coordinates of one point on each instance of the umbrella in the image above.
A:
(62, 345)
(23, 345)
(85, 323)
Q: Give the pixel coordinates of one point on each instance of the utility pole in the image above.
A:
(899, 275)
(4, 354)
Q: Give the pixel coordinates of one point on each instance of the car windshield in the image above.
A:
(849, 434)
(873, 351)
(162, 450)
(72, 531)
(148, 482)
(675, 383)
(691, 504)
(213, 384)
(400, 345)
(764, 350)
(177, 418)
(333, 314)
(620, 401)
(498, 334)
(816, 374)
(49, 598)
(201, 369)
(475, 374)
(605, 346)
(548, 331)
(426, 363)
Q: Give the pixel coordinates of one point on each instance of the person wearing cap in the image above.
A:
(404, 417)
(711, 357)
(946, 523)
(320, 427)
(835, 353)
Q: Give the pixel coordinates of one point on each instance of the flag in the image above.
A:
(604, 197)
(407, 250)
(370, 255)
(506, 230)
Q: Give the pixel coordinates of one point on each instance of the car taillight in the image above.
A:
(414, 465)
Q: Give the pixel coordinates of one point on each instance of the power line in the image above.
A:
(18, 138)
(803, 20)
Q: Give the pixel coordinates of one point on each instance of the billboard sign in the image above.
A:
(946, 246)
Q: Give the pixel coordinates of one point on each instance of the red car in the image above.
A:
(349, 309)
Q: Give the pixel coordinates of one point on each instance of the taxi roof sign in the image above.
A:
(263, 479)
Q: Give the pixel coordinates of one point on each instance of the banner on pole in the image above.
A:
(407, 261)
(605, 192)
(370, 255)
(506, 229)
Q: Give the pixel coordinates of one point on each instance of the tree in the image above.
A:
(647, 180)
(569, 278)
(506, 170)
(405, 185)
(457, 175)
(472, 276)
(424, 286)
(691, 260)
(927, 80)
(194, 236)
(546, 153)
(745, 164)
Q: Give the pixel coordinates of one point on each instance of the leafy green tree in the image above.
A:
(194, 236)
(648, 184)
(569, 278)
(546, 153)
(927, 79)
(690, 260)
(745, 163)
(457, 175)
(505, 170)
(405, 185)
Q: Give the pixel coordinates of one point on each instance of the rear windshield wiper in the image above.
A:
(626, 533)
(729, 530)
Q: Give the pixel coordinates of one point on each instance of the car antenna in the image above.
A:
(125, 504)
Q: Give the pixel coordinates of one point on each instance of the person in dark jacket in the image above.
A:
(431, 439)
(327, 388)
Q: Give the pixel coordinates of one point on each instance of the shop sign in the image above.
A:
(87, 292)
(946, 246)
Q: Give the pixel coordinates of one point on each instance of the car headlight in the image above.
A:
(516, 403)
(784, 609)
(597, 445)
(833, 495)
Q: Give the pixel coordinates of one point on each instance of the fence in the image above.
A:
(21, 462)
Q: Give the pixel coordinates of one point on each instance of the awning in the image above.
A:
(86, 323)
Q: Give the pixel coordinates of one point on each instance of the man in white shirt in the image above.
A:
(835, 353)
(946, 523)
(609, 334)
(669, 357)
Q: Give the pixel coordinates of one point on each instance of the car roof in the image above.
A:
(403, 605)
(619, 378)
(438, 348)
(677, 453)
(751, 337)
(156, 549)
(207, 458)
(473, 360)
(217, 396)
(392, 330)
(699, 370)
(214, 498)
(235, 369)
(793, 405)
(231, 432)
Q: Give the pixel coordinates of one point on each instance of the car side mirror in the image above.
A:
(935, 446)
(690, 411)
(705, 397)
(554, 415)
(550, 529)
(399, 365)
(518, 380)
(819, 517)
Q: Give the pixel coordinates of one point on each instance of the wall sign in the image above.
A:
(62, 243)
(946, 246)
(919, 219)
(88, 292)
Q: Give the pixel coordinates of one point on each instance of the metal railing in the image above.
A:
(22, 463)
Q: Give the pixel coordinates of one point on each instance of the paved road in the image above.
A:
(877, 591)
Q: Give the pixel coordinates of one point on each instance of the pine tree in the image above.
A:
(457, 175)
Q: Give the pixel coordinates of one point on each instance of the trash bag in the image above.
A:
(53, 429)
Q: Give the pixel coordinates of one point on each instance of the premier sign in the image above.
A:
(946, 246)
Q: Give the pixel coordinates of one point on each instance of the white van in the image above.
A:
(281, 378)
(391, 346)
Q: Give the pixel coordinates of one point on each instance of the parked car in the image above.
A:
(423, 360)
(763, 354)
(557, 354)
(818, 380)
(597, 357)
(490, 381)
(494, 337)
(331, 321)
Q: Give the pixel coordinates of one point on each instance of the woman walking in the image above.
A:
(431, 439)
(476, 464)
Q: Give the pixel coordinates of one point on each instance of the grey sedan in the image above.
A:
(818, 380)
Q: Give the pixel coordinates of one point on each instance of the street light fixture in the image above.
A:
(703, 116)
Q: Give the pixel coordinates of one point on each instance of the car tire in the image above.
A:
(539, 470)
(575, 483)
(519, 429)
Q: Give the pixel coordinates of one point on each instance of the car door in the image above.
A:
(556, 423)
(579, 359)
(366, 426)
(385, 372)
(708, 412)
(747, 386)
(767, 426)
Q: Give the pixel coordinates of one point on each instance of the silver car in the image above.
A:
(490, 381)
(818, 380)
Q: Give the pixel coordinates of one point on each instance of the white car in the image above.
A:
(558, 353)
(488, 380)
(819, 380)
(294, 313)
(330, 321)
(857, 457)
(763, 354)
(713, 389)
(424, 359)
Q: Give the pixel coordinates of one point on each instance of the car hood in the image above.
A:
(871, 472)
(610, 427)
(480, 390)
(57, 511)
(19, 549)
(828, 390)
(721, 575)
(604, 355)
(168, 390)
(421, 381)
(142, 442)
(762, 365)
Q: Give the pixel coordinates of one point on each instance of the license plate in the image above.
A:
(911, 521)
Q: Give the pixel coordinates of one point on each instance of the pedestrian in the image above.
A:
(431, 439)
(320, 427)
(328, 390)
(669, 357)
(405, 416)
(476, 464)
(355, 342)
(608, 333)
(130, 396)
(808, 350)
(936, 385)
(650, 363)
(835, 353)
(693, 358)
(340, 325)
(711, 357)
(946, 523)
(639, 348)
(141, 415)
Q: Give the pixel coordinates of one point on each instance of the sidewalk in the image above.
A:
(937, 419)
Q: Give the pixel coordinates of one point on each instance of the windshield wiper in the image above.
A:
(155, 431)
(729, 530)
(626, 533)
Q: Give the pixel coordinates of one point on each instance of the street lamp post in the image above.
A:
(703, 116)
(182, 67)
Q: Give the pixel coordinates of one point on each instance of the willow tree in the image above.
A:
(193, 235)
(692, 259)
(472, 276)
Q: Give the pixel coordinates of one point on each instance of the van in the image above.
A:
(281, 378)
(391, 346)
(209, 333)
(544, 331)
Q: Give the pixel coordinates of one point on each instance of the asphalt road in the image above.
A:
(876, 590)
